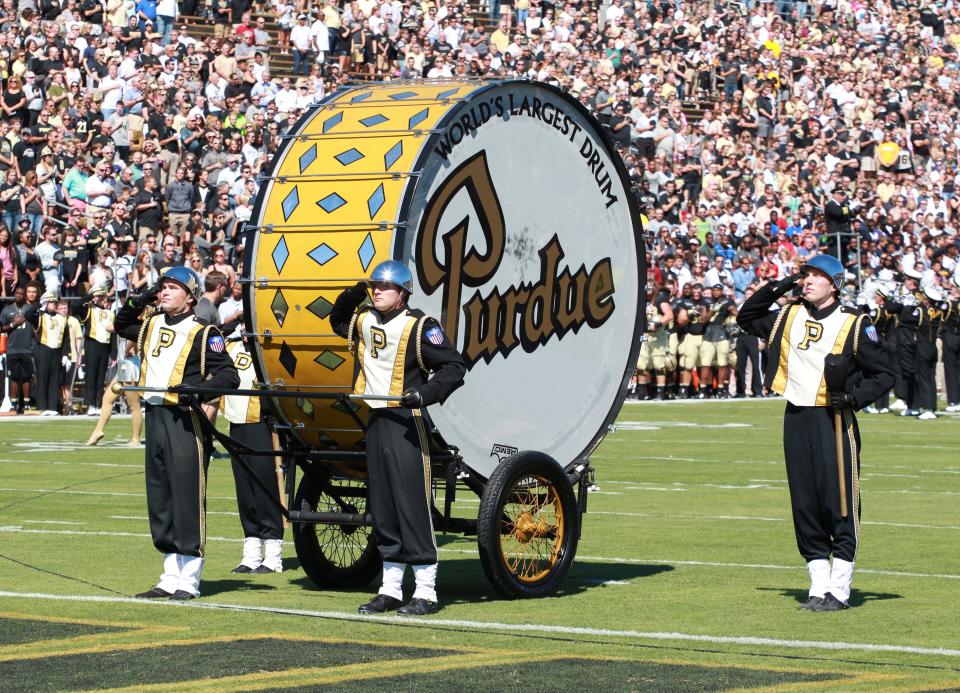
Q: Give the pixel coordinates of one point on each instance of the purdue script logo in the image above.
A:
(527, 315)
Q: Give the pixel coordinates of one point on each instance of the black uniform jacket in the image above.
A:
(874, 373)
(444, 363)
(221, 374)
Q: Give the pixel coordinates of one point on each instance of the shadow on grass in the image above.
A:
(857, 597)
(211, 588)
(462, 581)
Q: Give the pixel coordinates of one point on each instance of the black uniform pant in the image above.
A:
(748, 347)
(260, 516)
(96, 359)
(907, 365)
(177, 456)
(889, 345)
(49, 377)
(398, 465)
(951, 366)
(927, 374)
(809, 447)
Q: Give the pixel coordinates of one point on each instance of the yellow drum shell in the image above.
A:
(327, 218)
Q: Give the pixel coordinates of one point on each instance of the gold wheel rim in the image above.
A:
(531, 529)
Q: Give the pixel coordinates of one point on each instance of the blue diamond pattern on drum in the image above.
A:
(345, 406)
(394, 153)
(322, 254)
(287, 359)
(308, 157)
(367, 252)
(361, 97)
(332, 122)
(418, 118)
(376, 201)
(370, 121)
(400, 96)
(330, 360)
(290, 203)
(279, 307)
(448, 92)
(321, 307)
(306, 406)
(280, 254)
(348, 157)
(331, 203)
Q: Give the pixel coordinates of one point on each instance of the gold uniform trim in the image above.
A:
(786, 316)
(356, 323)
(425, 458)
(854, 478)
(176, 373)
(399, 363)
(203, 480)
(823, 396)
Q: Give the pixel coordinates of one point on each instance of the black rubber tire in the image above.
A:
(503, 495)
(334, 555)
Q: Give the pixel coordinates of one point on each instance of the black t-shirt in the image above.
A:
(152, 216)
(12, 99)
(25, 156)
(95, 17)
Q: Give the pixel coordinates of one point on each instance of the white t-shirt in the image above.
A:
(111, 98)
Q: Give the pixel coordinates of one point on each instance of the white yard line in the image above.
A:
(673, 636)
(97, 493)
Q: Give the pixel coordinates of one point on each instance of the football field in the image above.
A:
(687, 577)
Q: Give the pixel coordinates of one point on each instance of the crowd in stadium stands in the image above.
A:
(755, 134)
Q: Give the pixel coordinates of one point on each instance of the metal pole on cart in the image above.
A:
(236, 449)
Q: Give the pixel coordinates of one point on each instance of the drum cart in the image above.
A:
(514, 210)
(527, 528)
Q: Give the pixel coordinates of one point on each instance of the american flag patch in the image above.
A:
(435, 336)
(217, 344)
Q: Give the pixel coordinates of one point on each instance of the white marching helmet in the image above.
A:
(933, 292)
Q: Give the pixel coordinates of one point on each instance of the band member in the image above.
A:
(932, 309)
(951, 347)
(907, 307)
(260, 516)
(825, 360)
(400, 351)
(885, 320)
(176, 350)
(98, 322)
(74, 352)
(51, 356)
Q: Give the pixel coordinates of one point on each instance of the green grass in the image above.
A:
(688, 542)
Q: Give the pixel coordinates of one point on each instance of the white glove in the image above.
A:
(66, 362)
(80, 372)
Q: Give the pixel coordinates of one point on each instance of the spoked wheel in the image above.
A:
(528, 526)
(335, 555)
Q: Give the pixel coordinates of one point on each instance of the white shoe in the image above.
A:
(871, 410)
(953, 407)
(927, 415)
(898, 405)
(885, 410)
(46, 412)
(93, 411)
